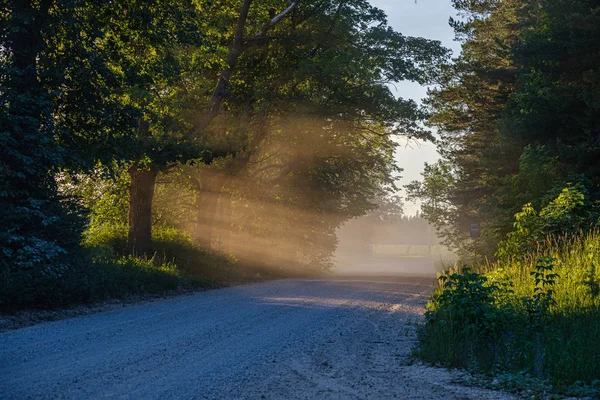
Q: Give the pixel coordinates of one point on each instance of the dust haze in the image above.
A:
(374, 245)
(279, 202)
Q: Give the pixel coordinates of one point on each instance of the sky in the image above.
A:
(428, 19)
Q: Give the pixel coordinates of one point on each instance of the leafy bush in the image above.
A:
(470, 298)
(566, 213)
(467, 310)
(536, 317)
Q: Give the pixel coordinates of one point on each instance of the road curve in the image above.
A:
(339, 338)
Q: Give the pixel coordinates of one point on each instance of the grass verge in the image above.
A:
(525, 321)
(104, 270)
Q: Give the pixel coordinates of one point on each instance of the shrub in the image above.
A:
(537, 316)
(466, 319)
(567, 213)
(108, 238)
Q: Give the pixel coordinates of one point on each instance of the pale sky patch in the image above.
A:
(428, 19)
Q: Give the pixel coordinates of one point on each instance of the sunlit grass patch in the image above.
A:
(536, 316)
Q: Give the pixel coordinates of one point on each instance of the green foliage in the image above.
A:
(518, 117)
(470, 299)
(571, 211)
(39, 227)
(543, 292)
(174, 247)
(111, 238)
(130, 275)
(541, 318)
(433, 191)
(178, 263)
(540, 299)
(170, 245)
(567, 214)
(103, 193)
(527, 233)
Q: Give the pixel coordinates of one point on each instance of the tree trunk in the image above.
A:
(206, 218)
(141, 193)
(207, 209)
(225, 222)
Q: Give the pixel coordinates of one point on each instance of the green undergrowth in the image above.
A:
(170, 246)
(526, 321)
(105, 270)
(87, 280)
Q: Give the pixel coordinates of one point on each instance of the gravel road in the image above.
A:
(337, 338)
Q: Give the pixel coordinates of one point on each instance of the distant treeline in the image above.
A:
(395, 230)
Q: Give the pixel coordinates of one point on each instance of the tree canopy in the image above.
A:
(242, 124)
(517, 113)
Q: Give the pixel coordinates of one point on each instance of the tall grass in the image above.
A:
(576, 261)
(496, 319)
(171, 246)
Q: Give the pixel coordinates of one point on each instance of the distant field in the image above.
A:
(412, 251)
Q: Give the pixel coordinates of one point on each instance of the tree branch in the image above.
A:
(264, 39)
(276, 19)
(236, 50)
(212, 110)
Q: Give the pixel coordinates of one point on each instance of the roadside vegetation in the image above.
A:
(106, 270)
(517, 194)
(531, 320)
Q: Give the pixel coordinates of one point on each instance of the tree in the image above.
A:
(157, 73)
(309, 108)
(321, 106)
(30, 207)
(435, 193)
(54, 115)
(517, 114)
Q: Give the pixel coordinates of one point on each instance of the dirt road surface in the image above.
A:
(337, 338)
